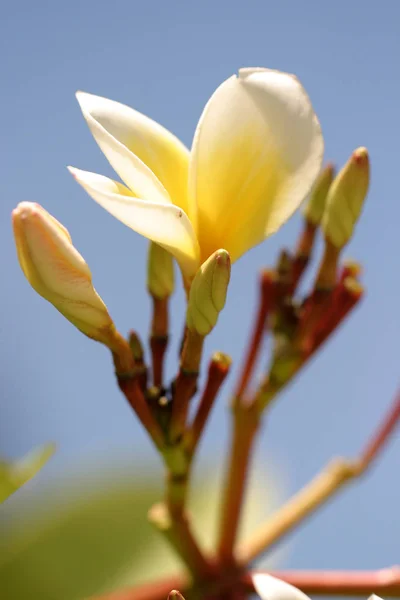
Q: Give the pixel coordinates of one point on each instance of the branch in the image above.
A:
(265, 303)
(245, 427)
(176, 530)
(321, 489)
(217, 372)
(159, 338)
(385, 582)
(185, 383)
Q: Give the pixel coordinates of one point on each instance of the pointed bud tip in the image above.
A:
(353, 287)
(25, 209)
(222, 360)
(222, 258)
(361, 156)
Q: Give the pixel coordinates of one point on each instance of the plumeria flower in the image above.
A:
(271, 588)
(256, 152)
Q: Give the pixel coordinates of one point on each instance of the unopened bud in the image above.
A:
(57, 271)
(208, 293)
(345, 199)
(315, 206)
(160, 272)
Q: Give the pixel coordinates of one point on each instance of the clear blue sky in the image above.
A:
(165, 59)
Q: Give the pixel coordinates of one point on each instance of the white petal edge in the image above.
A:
(287, 90)
(280, 105)
(137, 176)
(272, 588)
(165, 224)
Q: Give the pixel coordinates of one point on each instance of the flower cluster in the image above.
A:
(257, 154)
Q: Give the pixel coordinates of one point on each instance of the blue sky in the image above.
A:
(165, 59)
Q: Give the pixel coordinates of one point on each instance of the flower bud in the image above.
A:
(345, 199)
(160, 272)
(57, 271)
(208, 293)
(315, 206)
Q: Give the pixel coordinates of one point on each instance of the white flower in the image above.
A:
(256, 152)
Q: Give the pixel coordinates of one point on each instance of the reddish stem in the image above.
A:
(246, 422)
(132, 392)
(185, 384)
(159, 338)
(158, 346)
(265, 303)
(341, 583)
(385, 582)
(381, 436)
(217, 372)
(303, 253)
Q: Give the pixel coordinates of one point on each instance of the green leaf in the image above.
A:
(14, 475)
(91, 535)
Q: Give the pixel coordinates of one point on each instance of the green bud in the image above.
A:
(315, 206)
(160, 272)
(346, 198)
(208, 293)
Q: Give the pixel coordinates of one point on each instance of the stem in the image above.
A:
(159, 338)
(303, 252)
(319, 583)
(385, 582)
(185, 384)
(217, 372)
(245, 426)
(175, 527)
(132, 392)
(318, 491)
(136, 347)
(305, 502)
(264, 306)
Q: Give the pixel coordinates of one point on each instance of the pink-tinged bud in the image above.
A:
(346, 198)
(57, 271)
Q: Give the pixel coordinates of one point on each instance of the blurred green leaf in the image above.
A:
(13, 475)
(92, 535)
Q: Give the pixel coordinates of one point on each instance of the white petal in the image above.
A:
(257, 150)
(271, 588)
(165, 224)
(155, 146)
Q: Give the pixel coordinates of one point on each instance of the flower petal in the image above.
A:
(271, 588)
(154, 145)
(257, 150)
(165, 224)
